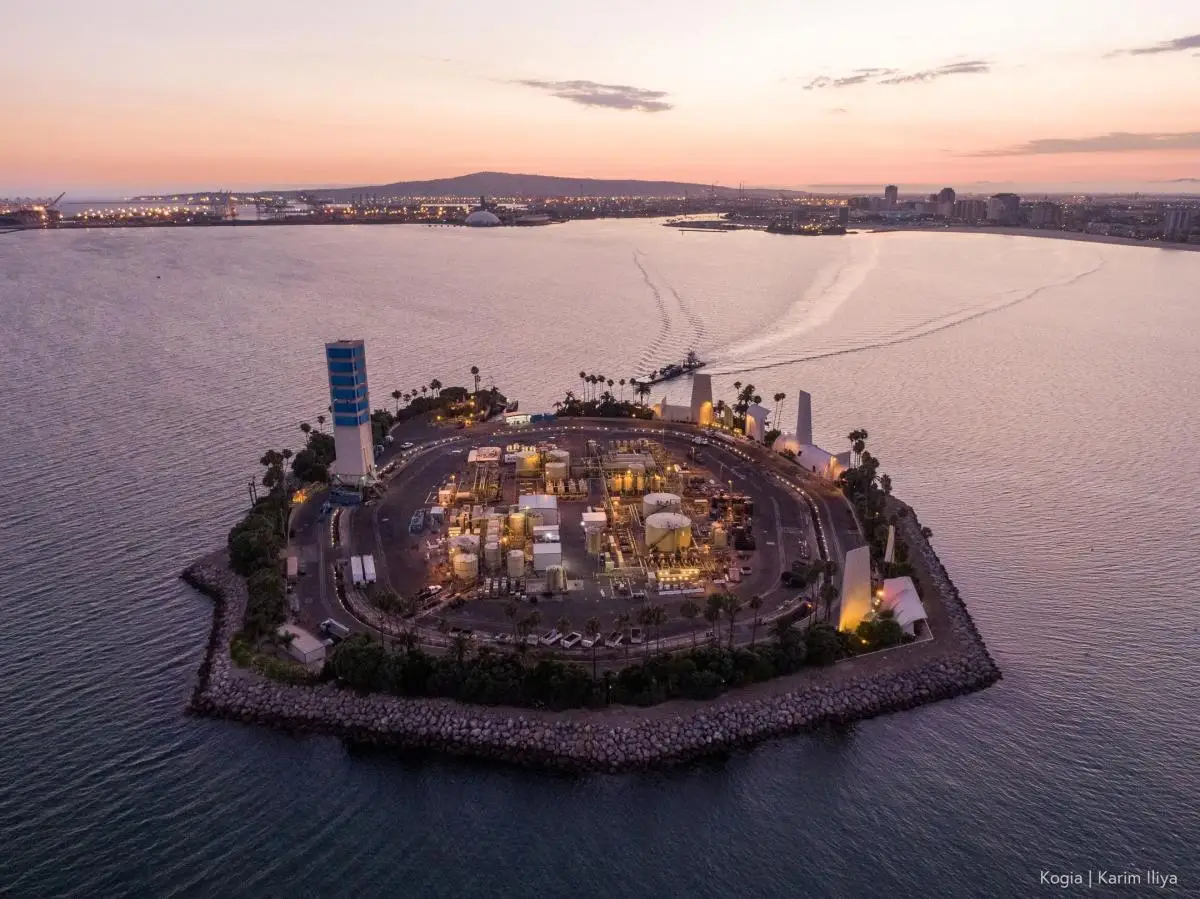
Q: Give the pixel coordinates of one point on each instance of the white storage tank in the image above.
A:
(466, 543)
(516, 524)
(466, 567)
(516, 563)
(556, 471)
(556, 578)
(528, 462)
(668, 532)
(595, 540)
(660, 502)
(491, 554)
(557, 455)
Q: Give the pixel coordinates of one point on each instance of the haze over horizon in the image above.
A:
(129, 96)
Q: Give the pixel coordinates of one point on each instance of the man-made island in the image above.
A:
(609, 586)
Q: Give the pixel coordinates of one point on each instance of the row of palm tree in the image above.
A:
(590, 382)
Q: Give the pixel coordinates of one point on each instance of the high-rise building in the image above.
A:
(843, 215)
(1004, 209)
(1045, 214)
(891, 194)
(946, 195)
(1178, 223)
(346, 361)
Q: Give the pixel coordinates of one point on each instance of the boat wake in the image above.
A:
(916, 332)
(834, 285)
(654, 348)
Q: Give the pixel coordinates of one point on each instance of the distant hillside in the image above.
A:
(501, 184)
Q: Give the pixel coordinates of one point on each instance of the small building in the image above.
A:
(483, 454)
(900, 596)
(546, 555)
(541, 508)
(756, 421)
(304, 647)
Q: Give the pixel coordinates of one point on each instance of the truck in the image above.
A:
(356, 569)
(368, 564)
(293, 568)
(335, 629)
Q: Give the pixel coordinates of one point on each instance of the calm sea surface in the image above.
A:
(1038, 401)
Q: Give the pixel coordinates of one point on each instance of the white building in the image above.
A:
(900, 596)
(803, 433)
(855, 602)
(346, 362)
(304, 647)
(699, 410)
(756, 421)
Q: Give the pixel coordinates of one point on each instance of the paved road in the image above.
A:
(790, 505)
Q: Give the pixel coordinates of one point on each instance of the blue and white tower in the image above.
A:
(347, 364)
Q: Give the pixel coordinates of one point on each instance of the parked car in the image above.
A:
(571, 640)
(551, 637)
(407, 445)
(635, 636)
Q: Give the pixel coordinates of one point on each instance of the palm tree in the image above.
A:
(307, 429)
(756, 603)
(320, 423)
(645, 618)
(475, 375)
(828, 594)
(563, 626)
(286, 454)
(779, 398)
(712, 612)
(396, 394)
(424, 389)
(591, 630)
(690, 611)
(623, 622)
(434, 387)
(510, 612)
(733, 605)
(622, 383)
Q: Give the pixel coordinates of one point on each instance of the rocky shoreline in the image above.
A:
(668, 734)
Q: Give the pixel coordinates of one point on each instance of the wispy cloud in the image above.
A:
(838, 110)
(1178, 45)
(609, 96)
(858, 76)
(1113, 142)
(896, 76)
(971, 67)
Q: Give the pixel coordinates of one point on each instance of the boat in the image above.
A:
(512, 407)
(676, 369)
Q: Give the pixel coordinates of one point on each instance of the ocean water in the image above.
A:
(1034, 399)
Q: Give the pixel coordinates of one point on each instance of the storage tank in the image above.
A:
(595, 540)
(660, 502)
(465, 543)
(638, 483)
(556, 471)
(491, 554)
(528, 462)
(556, 578)
(627, 482)
(516, 563)
(719, 538)
(516, 524)
(557, 455)
(668, 532)
(466, 567)
(614, 484)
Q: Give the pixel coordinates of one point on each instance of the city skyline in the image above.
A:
(124, 96)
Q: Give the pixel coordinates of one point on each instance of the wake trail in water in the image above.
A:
(908, 338)
(650, 353)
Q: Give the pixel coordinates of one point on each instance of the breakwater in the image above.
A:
(956, 662)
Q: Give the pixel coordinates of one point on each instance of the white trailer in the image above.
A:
(293, 568)
(356, 569)
(368, 564)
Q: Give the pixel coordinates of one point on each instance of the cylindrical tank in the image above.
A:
(516, 563)
(467, 543)
(638, 483)
(668, 532)
(556, 471)
(614, 485)
(557, 455)
(556, 578)
(719, 539)
(491, 554)
(660, 502)
(516, 524)
(528, 461)
(595, 540)
(627, 482)
(466, 567)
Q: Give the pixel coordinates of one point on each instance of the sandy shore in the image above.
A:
(1038, 232)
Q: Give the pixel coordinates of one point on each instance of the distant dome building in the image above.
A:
(481, 217)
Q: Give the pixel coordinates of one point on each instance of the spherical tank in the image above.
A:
(660, 502)
(466, 567)
(516, 563)
(668, 532)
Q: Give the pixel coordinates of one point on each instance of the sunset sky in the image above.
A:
(117, 96)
